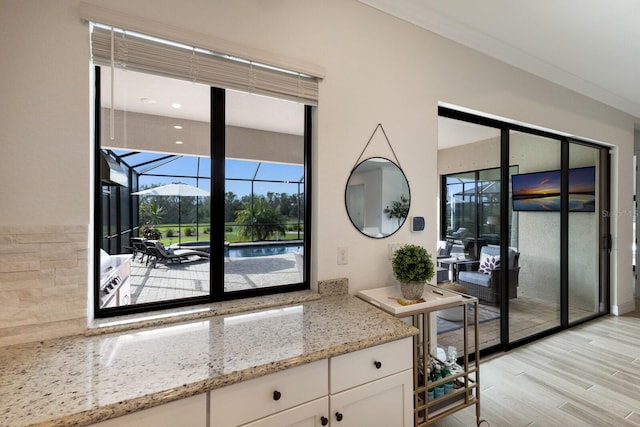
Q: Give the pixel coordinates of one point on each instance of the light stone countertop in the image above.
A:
(80, 380)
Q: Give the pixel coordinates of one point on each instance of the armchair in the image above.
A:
(485, 285)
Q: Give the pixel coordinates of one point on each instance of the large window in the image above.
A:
(202, 192)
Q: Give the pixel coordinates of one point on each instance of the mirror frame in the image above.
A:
(358, 220)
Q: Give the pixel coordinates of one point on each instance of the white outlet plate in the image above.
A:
(343, 256)
(393, 247)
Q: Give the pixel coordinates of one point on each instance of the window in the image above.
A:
(203, 192)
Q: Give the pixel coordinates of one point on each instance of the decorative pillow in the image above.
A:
(489, 264)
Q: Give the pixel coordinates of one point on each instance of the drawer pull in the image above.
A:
(378, 364)
(338, 416)
(277, 395)
(324, 421)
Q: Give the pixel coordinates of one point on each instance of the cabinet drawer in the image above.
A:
(312, 414)
(362, 366)
(249, 400)
(191, 411)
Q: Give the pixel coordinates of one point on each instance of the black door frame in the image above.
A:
(604, 224)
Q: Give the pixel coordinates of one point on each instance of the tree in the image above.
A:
(231, 206)
(259, 220)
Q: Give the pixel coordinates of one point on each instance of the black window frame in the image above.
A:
(217, 155)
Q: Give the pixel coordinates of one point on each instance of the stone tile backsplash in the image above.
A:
(43, 282)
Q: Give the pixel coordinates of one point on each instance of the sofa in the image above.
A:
(481, 278)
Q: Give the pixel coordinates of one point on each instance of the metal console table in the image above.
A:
(466, 379)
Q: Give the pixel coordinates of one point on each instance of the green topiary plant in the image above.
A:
(412, 264)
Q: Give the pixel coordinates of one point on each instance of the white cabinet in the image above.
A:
(381, 403)
(260, 397)
(370, 387)
(191, 411)
(312, 414)
(369, 364)
(373, 387)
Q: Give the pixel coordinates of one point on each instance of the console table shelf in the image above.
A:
(467, 375)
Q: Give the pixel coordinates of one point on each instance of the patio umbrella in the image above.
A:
(179, 190)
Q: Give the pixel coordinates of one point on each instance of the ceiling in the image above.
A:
(589, 46)
(156, 95)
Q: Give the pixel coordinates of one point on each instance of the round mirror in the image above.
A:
(377, 197)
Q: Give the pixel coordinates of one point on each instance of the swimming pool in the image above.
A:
(248, 251)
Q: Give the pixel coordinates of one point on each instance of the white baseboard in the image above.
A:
(619, 310)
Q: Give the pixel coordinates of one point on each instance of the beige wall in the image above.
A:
(377, 69)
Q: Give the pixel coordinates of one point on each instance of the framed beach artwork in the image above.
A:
(540, 191)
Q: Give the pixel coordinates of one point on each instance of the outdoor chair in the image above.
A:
(481, 278)
(139, 247)
(169, 256)
(444, 248)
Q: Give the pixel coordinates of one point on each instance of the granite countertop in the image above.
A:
(80, 380)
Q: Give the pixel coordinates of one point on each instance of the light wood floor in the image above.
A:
(527, 316)
(588, 375)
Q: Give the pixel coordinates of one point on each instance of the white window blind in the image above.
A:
(148, 54)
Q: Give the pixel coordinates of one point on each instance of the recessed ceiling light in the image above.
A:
(176, 105)
(179, 142)
(148, 101)
(177, 127)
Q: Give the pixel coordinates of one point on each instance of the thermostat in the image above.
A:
(417, 223)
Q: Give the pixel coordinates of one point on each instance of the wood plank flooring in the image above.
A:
(527, 316)
(585, 376)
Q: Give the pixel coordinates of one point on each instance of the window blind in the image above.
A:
(152, 55)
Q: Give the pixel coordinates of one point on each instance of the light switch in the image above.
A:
(343, 256)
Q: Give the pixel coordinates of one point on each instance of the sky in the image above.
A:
(189, 166)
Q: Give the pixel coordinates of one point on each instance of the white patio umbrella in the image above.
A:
(179, 190)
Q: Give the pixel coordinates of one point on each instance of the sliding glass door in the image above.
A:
(586, 295)
(470, 225)
(530, 207)
(535, 202)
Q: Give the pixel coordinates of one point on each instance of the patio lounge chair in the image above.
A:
(160, 253)
(138, 246)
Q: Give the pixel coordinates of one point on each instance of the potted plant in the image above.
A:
(151, 233)
(412, 267)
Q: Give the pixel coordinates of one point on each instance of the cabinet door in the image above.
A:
(312, 414)
(254, 399)
(369, 364)
(191, 412)
(381, 403)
